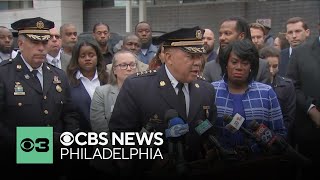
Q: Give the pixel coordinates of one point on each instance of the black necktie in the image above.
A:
(34, 72)
(181, 99)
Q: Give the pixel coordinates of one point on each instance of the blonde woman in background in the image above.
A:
(124, 63)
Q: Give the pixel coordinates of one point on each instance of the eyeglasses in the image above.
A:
(125, 66)
(55, 36)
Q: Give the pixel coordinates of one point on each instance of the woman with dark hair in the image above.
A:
(158, 59)
(85, 72)
(280, 42)
(238, 93)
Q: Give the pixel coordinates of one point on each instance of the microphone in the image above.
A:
(175, 134)
(204, 128)
(229, 119)
(276, 143)
(147, 129)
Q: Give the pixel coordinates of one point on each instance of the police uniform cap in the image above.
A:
(188, 39)
(34, 28)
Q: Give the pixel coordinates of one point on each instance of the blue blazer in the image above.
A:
(82, 102)
(284, 61)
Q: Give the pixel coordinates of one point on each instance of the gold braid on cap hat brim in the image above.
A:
(38, 37)
(187, 43)
(34, 31)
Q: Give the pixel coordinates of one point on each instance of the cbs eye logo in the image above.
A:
(66, 138)
(40, 145)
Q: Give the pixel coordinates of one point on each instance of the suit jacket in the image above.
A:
(303, 69)
(101, 109)
(102, 106)
(212, 71)
(65, 60)
(284, 61)
(82, 101)
(285, 91)
(148, 96)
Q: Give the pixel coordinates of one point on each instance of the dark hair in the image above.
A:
(294, 20)
(155, 62)
(284, 43)
(241, 26)
(73, 66)
(98, 24)
(269, 51)
(142, 22)
(245, 50)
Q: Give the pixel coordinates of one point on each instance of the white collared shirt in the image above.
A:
(90, 85)
(40, 72)
(290, 51)
(11, 55)
(185, 88)
(50, 59)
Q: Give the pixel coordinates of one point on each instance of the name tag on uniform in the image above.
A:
(18, 90)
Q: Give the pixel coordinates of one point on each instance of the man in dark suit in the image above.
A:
(297, 33)
(303, 69)
(33, 93)
(231, 29)
(147, 96)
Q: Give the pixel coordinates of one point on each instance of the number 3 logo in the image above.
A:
(40, 145)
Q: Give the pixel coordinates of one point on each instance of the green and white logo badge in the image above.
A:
(34, 145)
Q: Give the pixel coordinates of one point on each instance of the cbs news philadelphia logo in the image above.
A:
(34, 145)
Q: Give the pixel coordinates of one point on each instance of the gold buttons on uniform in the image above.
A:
(46, 112)
(44, 97)
(19, 104)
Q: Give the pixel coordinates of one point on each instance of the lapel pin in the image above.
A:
(27, 76)
(162, 83)
(56, 80)
(19, 67)
(197, 85)
(58, 88)
(206, 108)
(48, 67)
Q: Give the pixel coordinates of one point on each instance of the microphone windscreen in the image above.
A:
(175, 121)
(170, 114)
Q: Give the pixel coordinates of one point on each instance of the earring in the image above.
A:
(250, 70)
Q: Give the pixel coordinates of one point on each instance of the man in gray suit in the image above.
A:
(54, 56)
(231, 29)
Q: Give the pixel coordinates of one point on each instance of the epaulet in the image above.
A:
(201, 77)
(146, 73)
(9, 61)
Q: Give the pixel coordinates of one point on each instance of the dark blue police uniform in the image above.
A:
(24, 102)
(147, 96)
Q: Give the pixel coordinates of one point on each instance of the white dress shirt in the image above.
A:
(185, 88)
(39, 74)
(50, 60)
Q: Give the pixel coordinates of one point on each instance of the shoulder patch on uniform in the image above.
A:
(146, 73)
(3, 63)
(201, 77)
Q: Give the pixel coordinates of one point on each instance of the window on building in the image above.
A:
(8, 5)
